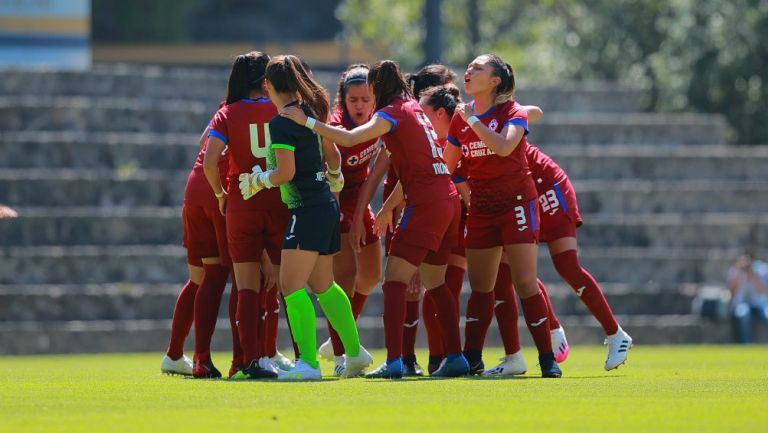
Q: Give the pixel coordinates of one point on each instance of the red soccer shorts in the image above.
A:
(347, 210)
(205, 234)
(250, 232)
(519, 225)
(427, 233)
(559, 211)
(459, 249)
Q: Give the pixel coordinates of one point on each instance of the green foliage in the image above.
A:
(705, 55)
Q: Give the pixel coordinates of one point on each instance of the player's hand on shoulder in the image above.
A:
(294, 113)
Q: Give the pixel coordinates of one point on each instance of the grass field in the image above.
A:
(661, 389)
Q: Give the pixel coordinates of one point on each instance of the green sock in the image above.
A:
(301, 313)
(338, 310)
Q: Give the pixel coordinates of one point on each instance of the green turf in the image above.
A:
(661, 389)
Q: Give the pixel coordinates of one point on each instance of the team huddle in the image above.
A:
(280, 194)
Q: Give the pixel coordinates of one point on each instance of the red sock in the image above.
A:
(567, 265)
(290, 331)
(394, 318)
(442, 298)
(273, 316)
(479, 316)
(237, 351)
(454, 279)
(207, 303)
(358, 301)
(432, 326)
(338, 346)
(506, 310)
(553, 322)
(183, 314)
(535, 312)
(248, 324)
(410, 327)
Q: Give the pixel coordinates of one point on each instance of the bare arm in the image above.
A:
(286, 167)
(396, 198)
(502, 144)
(380, 167)
(204, 137)
(332, 156)
(452, 155)
(535, 113)
(374, 128)
(211, 170)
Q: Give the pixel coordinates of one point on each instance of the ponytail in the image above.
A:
(247, 75)
(288, 75)
(388, 83)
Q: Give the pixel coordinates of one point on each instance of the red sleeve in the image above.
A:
(516, 116)
(219, 126)
(453, 130)
(390, 113)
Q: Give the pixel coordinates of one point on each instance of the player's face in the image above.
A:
(438, 118)
(479, 78)
(359, 102)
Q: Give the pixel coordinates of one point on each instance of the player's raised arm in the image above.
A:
(374, 128)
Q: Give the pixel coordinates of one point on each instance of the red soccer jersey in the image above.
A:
(354, 160)
(198, 191)
(498, 184)
(244, 127)
(544, 170)
(415, 153)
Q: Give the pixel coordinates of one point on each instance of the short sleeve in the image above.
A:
(390, 113)
(218, 126)
(280, 135)
(454, 128)
(517, 116)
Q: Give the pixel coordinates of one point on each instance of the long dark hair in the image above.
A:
(288, 75)
(355, 74)
(388, 83)
(506, 89)
(442, 97)
(247, 75)
(429, 76)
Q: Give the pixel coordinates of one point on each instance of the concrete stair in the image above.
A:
(96, 162)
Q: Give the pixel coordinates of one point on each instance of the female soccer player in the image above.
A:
(254, 223)
(356, 271)
(313, 234)
(503, 213)
(429, 225)
(559, 220)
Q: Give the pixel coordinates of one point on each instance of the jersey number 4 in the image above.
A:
(260, 149)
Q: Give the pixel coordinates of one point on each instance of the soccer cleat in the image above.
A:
(453, 366)
(559, 345)
(181, 366)
(511, 365)
(434, 364)
(618, 349)
(338, 365)
(411, 368)
(254, 371)
(549, 367)
(475, 360)
(388, 370)
(267, 364)
(300, 372)
(354, 366)
(325, 351)
(205, 370)
(281, 361)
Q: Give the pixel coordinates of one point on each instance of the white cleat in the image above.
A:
(355, 366)
(559, 345)
(325, 351)
(511, 365)
(267, 364)
(182, 366)
(618, 349)
(338, 365)
(281, 361)
(300, 372)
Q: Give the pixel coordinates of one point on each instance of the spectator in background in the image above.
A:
(6, 212)
(747, 281)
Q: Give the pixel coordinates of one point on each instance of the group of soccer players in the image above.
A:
(279, 198)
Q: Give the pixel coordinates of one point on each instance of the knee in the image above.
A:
(368, 279)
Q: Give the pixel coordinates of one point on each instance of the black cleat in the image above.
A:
(549, 367)
(205, 370)
(434, 364)
(475, 360)
(411, 368)
(254, 371)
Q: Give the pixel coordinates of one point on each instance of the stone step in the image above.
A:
(137, 187)
(17, 338)
(150, 151)
(209, 86)
(162, 225)
(136, 301)
(662, 162)
(167, 264)
(637, 129)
